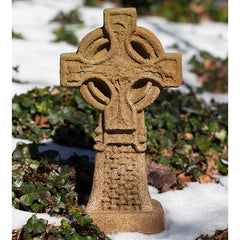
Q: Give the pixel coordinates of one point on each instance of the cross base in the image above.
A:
(112, 222)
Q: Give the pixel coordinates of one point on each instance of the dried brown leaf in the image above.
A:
(16, 233)
(197, 8)
(167, 152)
(222, 234)
(55, 91)
(17, 200)
(206, 179)
(188, 136)
(14, 168)
(40, 121)
(185, 178)
(165, 188)
(162, 130)
(211, 164)
(225, 152)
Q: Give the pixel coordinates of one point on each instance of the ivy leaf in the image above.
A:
(30, 224)
(56, 180)
(37, 207)
(106, 238)
(82, 220)
(26, 102)
(17, 184)
(221, 135)
(40, 107)
(196, 172)
(76, 237)
(85, 220)
(35, 226)
(13, 195)
(28, 188)
(16, 108)
(67, 185)
(28, 199)
(40, 226)
(65, 224)
(219, 165)
(203, 142)
(214, 126)
(70, 196)
(77, 216)
(64, 34)
(45, 196)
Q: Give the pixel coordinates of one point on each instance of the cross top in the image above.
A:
(119, 70)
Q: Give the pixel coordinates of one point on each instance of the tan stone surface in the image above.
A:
(119, 70)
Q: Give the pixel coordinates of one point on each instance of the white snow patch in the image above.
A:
(197, 209)
(64, 152)
(206, 36)
(16, 140)
(218, 97)
(19, 218)
(223, 180)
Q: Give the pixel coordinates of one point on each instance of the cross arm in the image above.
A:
(70, 70)
(165, 71)
(74, 69)
(169, 69)
(77, 72)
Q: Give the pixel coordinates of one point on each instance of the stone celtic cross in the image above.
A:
(119, 69)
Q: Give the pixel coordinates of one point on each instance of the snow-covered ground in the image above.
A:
(196, 209)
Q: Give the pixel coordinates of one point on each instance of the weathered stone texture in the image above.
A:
(119, 70)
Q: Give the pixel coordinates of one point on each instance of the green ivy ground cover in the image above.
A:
(71, 17)
(42, 185)
(59, 113)
(183, 10)
(211, 71)
(65, 34)
(16, 35)
(181, 130)
(78, 228)
(219, 235)
(69, 22)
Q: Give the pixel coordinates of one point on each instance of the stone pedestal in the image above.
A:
(120, 200)
(132, 221)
